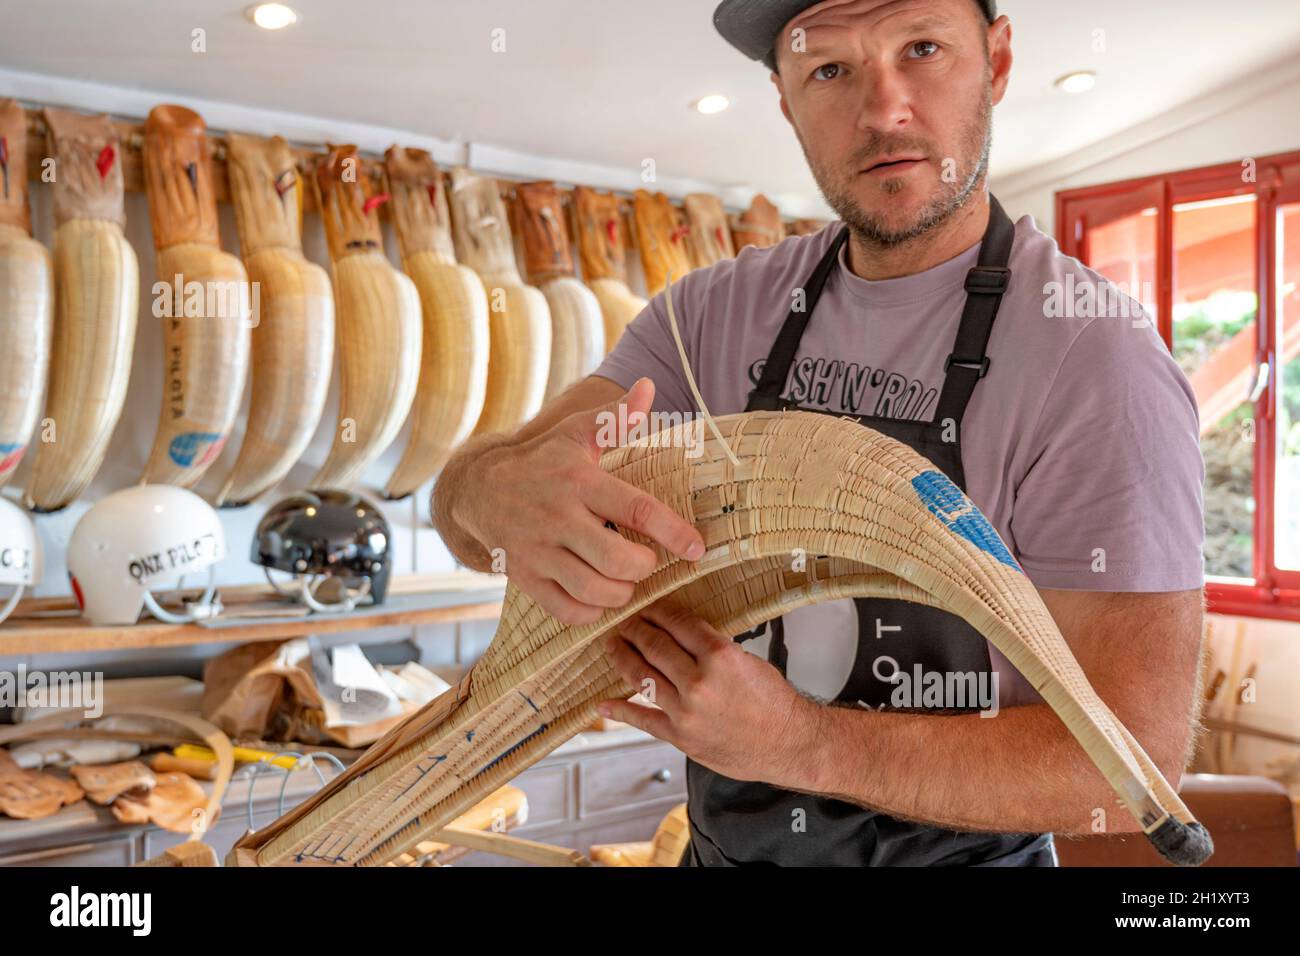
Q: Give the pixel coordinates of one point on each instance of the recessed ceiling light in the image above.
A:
(713, 103)
(1080, 82)
(271, 16)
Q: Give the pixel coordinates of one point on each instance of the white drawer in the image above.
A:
(547, 789)
(626, 779)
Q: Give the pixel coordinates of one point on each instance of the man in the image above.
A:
(1076, 436)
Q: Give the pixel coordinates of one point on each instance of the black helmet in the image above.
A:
(326, 533)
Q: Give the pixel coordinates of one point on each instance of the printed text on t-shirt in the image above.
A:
(851, 388)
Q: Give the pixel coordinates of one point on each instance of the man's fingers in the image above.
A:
(608, 552)
(612, 500)
(607, 427)
(691, 631)
(640, 674)
(559, 604)
(584, 584)
(660, 650)
(654, 722)
(629, 507)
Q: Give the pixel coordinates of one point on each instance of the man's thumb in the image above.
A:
(611, 425)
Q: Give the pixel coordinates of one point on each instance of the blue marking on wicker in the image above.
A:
(316, 852)
(421, 771)
(508, 751)
(947, 503)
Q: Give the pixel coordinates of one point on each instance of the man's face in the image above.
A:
(892, 101)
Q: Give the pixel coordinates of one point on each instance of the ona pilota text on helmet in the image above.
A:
(18, 559)
(177, 557)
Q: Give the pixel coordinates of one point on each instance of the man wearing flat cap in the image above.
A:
(830, 736)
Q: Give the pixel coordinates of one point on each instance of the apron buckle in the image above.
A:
(980, 363)
(988, 280)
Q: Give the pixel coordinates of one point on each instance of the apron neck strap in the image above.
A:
(966, 365)
(985, 285)
(777, 367)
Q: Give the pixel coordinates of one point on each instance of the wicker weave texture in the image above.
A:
(818, 509)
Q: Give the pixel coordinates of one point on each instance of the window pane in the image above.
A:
(1124, 251)
(1286, 528)
(1215, 343)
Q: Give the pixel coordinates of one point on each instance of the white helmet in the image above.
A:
(20, 553)
(137, 539)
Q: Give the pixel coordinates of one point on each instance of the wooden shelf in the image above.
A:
(254, 613)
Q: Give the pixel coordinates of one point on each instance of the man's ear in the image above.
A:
(1000, 57)
(780, 89)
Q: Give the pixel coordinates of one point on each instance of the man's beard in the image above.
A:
(976, 140)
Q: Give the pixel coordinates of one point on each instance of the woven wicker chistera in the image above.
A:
(812, 508)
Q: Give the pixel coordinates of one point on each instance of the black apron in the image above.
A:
(735, 822)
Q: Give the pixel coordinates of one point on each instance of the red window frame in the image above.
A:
(1274, 592)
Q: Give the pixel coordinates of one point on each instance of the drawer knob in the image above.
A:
(662, 775)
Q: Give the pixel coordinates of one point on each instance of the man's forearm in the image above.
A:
(1019, 772)
(449, 497)
(459, 484)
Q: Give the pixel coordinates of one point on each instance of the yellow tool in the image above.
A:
(242, 754)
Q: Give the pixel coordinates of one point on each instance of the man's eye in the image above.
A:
(924, 49)
(827, 72)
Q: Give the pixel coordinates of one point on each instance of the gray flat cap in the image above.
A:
(752, 26)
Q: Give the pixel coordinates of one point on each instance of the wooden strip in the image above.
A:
(33, 636)
(529, 851)
(234, 595)
(92, 733)
(186, 854)
(1228, 726)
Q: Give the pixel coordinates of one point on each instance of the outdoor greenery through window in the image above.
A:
(1214, 341)
(1213, 254)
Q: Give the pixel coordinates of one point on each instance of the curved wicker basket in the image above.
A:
(454, 307)
(206, 346)
(26, 298)
(378, 326)
(96, 301)
(867, 516)
(292, 339)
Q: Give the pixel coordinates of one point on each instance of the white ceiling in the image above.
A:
(609, 81)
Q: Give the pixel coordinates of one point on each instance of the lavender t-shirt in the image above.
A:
(1080, 445)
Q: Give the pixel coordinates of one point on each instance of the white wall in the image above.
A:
(1255, 117)
(1235, 644)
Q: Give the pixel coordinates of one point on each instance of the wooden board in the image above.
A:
(50, 625)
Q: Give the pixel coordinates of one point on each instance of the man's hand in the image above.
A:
(1022, 772)
(543, 500)
(720, 705)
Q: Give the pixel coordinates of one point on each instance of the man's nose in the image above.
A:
(886, 100)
